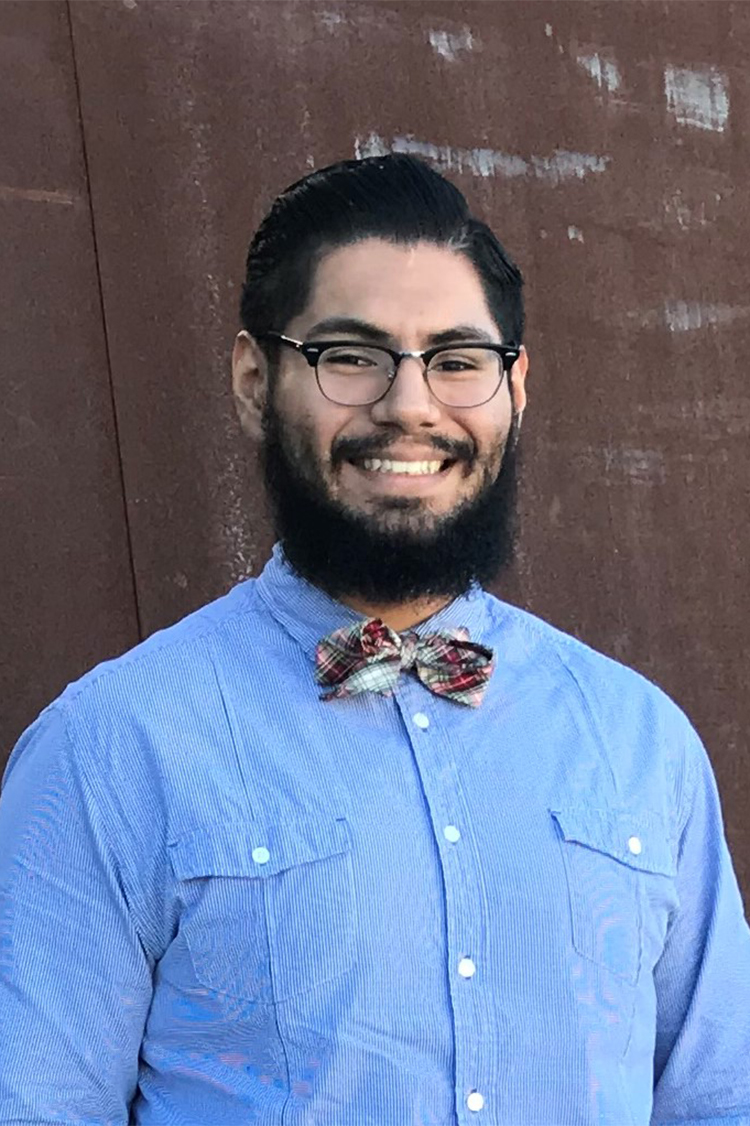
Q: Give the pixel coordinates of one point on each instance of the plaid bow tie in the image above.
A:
(369, 657)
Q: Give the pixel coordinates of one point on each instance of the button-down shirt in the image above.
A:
(223, 901)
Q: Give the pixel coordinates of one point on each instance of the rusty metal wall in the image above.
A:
(67, 588)
(608, 145)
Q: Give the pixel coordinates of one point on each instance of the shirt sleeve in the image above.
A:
(75, 980)
(702, 1058)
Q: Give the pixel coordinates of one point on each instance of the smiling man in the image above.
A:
(360, 843)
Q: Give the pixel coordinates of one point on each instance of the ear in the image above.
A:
(249, 382)
(518, 374)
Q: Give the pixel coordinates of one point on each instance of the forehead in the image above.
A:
(407, 290)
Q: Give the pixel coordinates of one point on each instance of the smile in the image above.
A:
(413, 468)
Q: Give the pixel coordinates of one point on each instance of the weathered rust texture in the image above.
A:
(67, 587)
(607, 144)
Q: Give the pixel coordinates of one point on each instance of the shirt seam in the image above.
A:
(117, 858)
(558, 644)
(592, 719)
(688, 802)
(91, 680)
(275, 1007)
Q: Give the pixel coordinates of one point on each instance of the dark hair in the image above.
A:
(395, 197)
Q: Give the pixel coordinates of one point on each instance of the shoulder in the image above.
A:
(161, 690)
(130, 721)
(166, 655)
(632, 719)
(600, 679)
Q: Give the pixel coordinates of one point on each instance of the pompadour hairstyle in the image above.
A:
(396, 197)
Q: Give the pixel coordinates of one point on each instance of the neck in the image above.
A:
(398, 616)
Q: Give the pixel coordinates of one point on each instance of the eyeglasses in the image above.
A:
(353, 374)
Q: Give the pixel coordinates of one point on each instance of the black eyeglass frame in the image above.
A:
(312, 351)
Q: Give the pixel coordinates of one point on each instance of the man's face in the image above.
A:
(409, 294)
(388, 533)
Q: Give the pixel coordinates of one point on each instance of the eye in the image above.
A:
(455, 363)
(353, 360)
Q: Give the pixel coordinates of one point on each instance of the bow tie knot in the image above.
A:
(409, 643)
(370, 657)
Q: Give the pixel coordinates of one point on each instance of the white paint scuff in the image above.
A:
(449, 44)
(687, 316)
(331, 20)
(697, 98)
(575, 234)
(604, 72)
(561, 165)
(684, 214)
(642, 467)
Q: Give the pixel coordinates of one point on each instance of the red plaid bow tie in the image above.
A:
(369, 657)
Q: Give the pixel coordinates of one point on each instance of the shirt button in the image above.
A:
(261, 855)
(635, 846)
(421, 720)
(451, 833)
(466, 967)
(475, 1101)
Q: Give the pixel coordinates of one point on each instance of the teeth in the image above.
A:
(416, 468)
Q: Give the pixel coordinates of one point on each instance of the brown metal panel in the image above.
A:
(68, 596)
(605, 142)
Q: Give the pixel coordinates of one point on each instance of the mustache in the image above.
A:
(372, 445)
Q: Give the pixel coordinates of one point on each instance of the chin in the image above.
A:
(402, 510)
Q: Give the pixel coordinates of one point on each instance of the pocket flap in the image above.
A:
(247, 848)
(636, 838)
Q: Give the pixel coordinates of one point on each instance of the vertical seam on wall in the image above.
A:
(100, 289)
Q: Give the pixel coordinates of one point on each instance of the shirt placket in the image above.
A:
(464, 898)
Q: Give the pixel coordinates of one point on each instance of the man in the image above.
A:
(359, 843)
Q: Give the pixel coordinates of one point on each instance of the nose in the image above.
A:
(409, 403)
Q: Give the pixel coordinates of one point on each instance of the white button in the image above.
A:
(451, 833)
(261, 855)
(421, 720)
(635, 846)
(466, 967)
(475, 1101)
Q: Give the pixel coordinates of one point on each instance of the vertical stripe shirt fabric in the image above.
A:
(225, 902)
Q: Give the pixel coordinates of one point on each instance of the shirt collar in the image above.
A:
(308, 613)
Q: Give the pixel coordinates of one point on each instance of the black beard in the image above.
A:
(347, 553)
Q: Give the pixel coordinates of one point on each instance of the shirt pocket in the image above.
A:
(268, 910)
(619, 866)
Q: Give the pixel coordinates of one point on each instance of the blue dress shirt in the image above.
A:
(223, 901)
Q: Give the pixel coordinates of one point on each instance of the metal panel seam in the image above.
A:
(115, 421)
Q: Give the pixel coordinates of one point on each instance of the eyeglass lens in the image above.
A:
(458, 377)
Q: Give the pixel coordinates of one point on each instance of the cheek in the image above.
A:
(309, 432)
(489, 432)
(300, 414)
(319, 421)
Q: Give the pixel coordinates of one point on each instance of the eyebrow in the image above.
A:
(355, 327)
(463, 332)
(350, 325)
